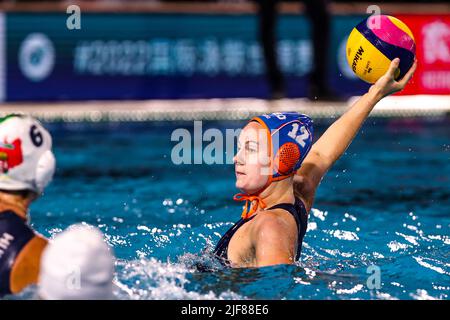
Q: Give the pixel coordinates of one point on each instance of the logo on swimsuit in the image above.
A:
(5, 242)
(10, 155)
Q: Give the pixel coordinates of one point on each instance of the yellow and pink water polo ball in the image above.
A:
(375, 42)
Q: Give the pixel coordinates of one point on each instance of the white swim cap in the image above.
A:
(77, 265)
(26, 159)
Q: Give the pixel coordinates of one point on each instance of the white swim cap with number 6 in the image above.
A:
(26, 158)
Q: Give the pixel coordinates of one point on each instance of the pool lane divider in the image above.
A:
(221, 109)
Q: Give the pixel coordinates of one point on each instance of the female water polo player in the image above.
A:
(279, 172)
(27, 165)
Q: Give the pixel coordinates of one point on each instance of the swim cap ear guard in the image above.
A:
(26, 159)
(290, 137)
(45, 170)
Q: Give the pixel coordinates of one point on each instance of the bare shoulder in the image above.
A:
(25, 269)
(273, 223)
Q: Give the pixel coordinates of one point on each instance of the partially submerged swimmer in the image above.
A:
(279, 172)
(270, 150)
(27, 166)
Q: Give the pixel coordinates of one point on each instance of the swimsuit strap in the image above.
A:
(297, 209)
(221, 250)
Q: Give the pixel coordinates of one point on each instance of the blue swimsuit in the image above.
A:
(14, 235)
(297, 210)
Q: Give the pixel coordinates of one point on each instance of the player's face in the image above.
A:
(252, 161)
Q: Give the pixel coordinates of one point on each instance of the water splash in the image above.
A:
(156, 280)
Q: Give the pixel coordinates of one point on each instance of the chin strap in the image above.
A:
(255, 203)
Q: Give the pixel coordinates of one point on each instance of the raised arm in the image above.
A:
(335, 140)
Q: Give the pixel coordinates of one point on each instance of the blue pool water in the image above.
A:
(385, 203)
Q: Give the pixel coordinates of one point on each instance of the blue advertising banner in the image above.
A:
(161, 56)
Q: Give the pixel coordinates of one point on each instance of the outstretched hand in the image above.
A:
(387, 84)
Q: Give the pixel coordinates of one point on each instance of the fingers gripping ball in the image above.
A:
(375, 42)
